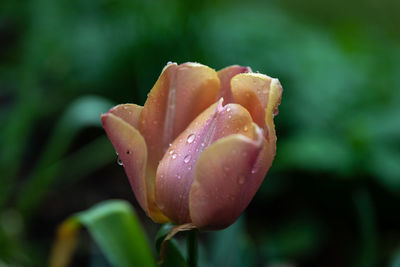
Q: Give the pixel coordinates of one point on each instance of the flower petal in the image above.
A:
(132, 152)
(176, 170)
(131, 147)
(179, 95)
(228, 175)
(225, 76)
(251, 90)
(130, 113)
(274, 100)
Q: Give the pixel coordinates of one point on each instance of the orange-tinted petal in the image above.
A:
(130, 113)
(251, 90)
(176, 170)
(179, 95)
(274, 100)
(132, 152)
(225, 76)
(227, 176)
(121, 124)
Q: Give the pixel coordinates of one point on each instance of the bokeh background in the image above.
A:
(332, 196)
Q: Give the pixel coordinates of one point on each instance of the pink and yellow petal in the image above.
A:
(130, 113)
(225, 178)
(132, 152)
(225, 76)
(176, 170)
(180, 94)
(274, 99)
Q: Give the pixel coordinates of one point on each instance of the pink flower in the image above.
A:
(200, 147)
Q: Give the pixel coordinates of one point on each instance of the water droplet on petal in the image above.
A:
(241, 180)
(174, 156)
(170, 145)
(178, 176)
(187, 158)
(203, 144)
(190, 138)
(171, 152)
(253, 171)
(245, 128)
(119, 161)
(228, 109)
(189, 168)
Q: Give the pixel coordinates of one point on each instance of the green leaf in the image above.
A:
(162, 233)
(172, 255)
(116, 230)
(231, 247)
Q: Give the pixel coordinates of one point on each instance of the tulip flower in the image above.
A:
(198, 150)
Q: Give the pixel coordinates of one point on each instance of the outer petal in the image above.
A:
(120, 124)
(179, 95)
(274, 100)
(225, 75)
(251, 90)
(130, 113)
(227, 177)
(176, 170)
(132, 151)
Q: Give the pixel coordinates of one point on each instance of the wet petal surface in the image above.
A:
(176, 170)
(180, 94)
(227, 176)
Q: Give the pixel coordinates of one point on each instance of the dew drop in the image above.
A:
(203, 144)
(171, 152)
(187, 158)
(189, 168)
(228, 109)
(229, 116)
(190, 138)
(174, 156)
(253, 171)
(241, 180)
(119, 161)
(245, 128)
(178, 176)
(170, 145)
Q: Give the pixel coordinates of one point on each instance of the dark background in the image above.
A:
(332, 195)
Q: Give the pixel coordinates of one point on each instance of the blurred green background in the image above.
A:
(332, 196)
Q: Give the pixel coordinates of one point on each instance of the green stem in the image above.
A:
(192, 251)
